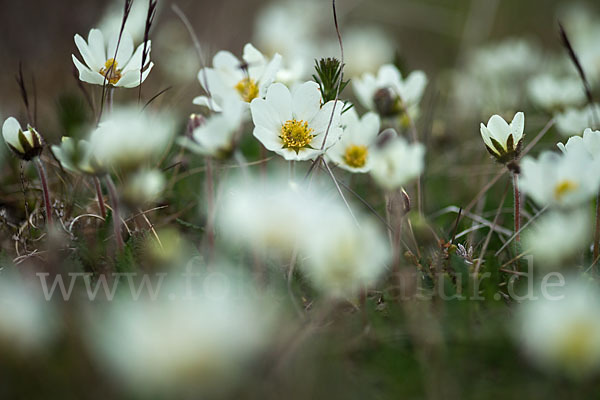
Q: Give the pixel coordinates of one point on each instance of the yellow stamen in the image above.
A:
(248, 89)
(111, 72)
(356, 156)
(296, 135)
(563, 188)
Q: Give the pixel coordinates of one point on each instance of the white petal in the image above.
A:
(135, 63)
(268, 138)
(125, 49)
(499, 129)
(204, 101)
(97, 46)
(265, 116)
(255, 60)
(86, 74)
(10, 133)
(321, 120)
(306, 101)
(87, 55)
(413, 87)
(226, 60)
(132, 78)
(269, 75)
(280, 99)
(485, 135)
(518, 126)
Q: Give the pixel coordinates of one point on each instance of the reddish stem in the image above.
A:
(45, 190)
(100, 197)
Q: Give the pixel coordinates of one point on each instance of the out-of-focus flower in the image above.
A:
(104, 65)
(275, 216)
(247, 79)
(552, 94)
(343, 259)
(389, 94)
(366, 48)
(557, 237)
(24, 144)
(504, 141)
(574, 121)
(143, 186)
(563, 335)
(354, 150)
(293, 125)
(562, 180)
(194, 339)
(395, 161)
(215, 136)
(112, 18)
(589, 143)
(77, 156)
(127, 137)
(27, 321)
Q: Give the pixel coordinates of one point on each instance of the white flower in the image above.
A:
(203, 337)
(343, 259)
(563, 335)
(77, 156)
(574, 121)
(389, 94)
(366, 48)
(502, 140)
(215, 136)
(273, 216)
(127, 137)
(25, 144)
(247, 79)
(112, 18)
(589, 143)
(557, 237)
(550, 93)
(144, 186)
(101, 65)
(396, 162)
(293, 125)
(354, 150)
(562, 180)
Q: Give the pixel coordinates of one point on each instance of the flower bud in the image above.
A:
(504, 141)
(25, 144)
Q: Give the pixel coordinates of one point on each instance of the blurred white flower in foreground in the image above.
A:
(112, 18)
(105, 65)
(24, 144)
(273, 216)
(389, 94)
(354, 150)
(574, 121)
(553, 94)
(563, 180)
(247, 79)
(366, 48)
(129, 137)
(504, 141)
(215, 136)
(342, 258)
(557, 237)
(293, 125)
(395, 161)
(589, 143)
(27, 320)
(143, 186)
(563, 335)
(199, 340)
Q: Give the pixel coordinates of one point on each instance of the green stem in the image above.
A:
(114, 199)
(45, 190)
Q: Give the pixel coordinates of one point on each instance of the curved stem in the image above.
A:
(517, 208)
(45, 190)
(114, 199)
(100, 197)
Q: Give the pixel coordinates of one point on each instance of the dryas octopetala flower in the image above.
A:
(77, 156)
(588, 143)
(129, 137)
(562, 180)
(247, 79)
(354, 150)
(104, 65)
(215, 135)
(574, 121)
(293, 125)
(395, 161)
(25, 144)
(504, 141)
(389, 94)
(562, 333)
(553, 94)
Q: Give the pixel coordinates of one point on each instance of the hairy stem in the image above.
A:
(114, 199)
(100, 197)
(517, 208)
(45, 190)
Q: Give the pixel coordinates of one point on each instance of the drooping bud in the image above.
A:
(24, 144)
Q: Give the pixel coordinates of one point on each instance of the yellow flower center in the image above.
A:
(563, 188)
(111, 72)
(296, 135)
(248, 89)
(356, 156)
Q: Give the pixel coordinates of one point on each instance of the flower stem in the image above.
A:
(597, 231)
(45, 190)
(100, 197)
(114, 199)
(210, 188)
(517, 208)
